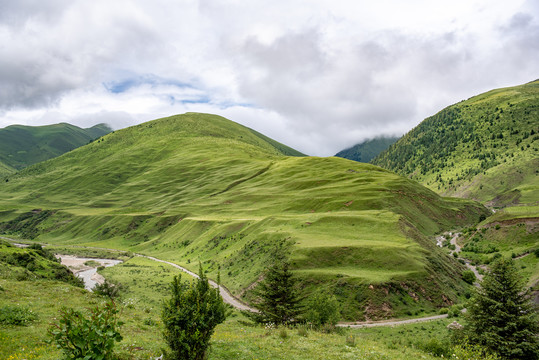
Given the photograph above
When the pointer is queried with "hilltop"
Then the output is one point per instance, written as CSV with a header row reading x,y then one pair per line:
x,y
367,150
21,146
198,187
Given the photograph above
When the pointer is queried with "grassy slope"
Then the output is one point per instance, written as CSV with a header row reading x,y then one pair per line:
x,y
5,169
198,187
367,150
140,309
21,146
31,264
485,148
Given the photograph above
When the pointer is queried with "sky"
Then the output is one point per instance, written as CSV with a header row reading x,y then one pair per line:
x,y
317,75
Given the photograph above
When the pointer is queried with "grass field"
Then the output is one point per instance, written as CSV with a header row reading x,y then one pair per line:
x,y
146,286
198,187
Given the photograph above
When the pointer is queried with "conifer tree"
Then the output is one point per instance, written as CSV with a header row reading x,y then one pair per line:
x,y
279,297
190,317
502,317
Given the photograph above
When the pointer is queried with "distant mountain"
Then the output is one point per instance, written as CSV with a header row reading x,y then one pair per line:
x,y
98,130
485,148
367,150
21,146
200,188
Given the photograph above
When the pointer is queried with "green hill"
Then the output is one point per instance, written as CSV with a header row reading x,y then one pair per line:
x,y
484,148
5,170
32,263
198,187
21,146
367,150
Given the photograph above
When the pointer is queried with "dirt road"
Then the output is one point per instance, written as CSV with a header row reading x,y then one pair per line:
x,y
225,294
368,324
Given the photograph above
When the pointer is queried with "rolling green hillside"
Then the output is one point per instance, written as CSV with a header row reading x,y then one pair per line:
x,y
5,170
484,148
21,146
367,150
198,187
31,264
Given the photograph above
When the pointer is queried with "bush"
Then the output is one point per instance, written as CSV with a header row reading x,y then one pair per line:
x,y
190,316
468,276
464,350
109,289
16,315
454,311
47,254
435,347
322,309
443,311
82,338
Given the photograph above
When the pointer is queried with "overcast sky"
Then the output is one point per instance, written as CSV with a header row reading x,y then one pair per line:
x,y
317,75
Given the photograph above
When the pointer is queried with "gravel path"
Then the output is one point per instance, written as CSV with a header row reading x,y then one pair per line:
x,y
368,324
225,294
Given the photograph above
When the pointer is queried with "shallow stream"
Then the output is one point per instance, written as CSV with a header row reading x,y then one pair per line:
x,y
87,273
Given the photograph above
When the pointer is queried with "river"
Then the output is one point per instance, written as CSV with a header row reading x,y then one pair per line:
x,y
87,273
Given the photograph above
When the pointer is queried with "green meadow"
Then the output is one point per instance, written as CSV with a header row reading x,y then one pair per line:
x,y
146,285
199,188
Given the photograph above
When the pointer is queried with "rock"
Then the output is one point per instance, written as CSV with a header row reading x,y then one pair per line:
x,y
454,326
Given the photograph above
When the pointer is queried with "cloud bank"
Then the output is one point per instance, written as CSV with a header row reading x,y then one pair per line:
x,y
316,75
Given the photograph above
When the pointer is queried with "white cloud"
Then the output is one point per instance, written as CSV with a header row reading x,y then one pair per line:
x,y
316,75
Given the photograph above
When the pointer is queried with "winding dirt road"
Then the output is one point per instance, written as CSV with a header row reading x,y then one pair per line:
x,y
368,324
225,294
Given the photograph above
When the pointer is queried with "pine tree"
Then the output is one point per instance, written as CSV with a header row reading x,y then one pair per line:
x,y
190,317
279,297
502,317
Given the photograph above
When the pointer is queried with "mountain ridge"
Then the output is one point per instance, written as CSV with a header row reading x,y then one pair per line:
x,y
21,145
